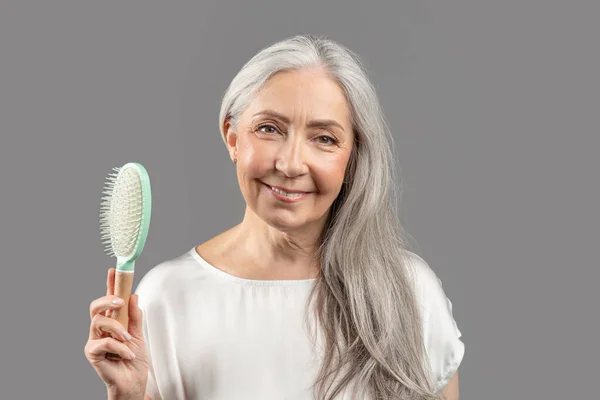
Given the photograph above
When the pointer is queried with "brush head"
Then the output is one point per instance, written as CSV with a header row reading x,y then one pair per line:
x,y
125,212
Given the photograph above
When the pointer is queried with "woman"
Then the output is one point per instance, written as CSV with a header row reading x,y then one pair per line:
x,y
313,294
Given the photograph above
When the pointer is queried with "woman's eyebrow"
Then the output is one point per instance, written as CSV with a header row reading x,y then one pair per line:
x,y
315,123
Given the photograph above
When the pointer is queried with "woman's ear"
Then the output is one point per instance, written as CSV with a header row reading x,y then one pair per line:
x,y
230,138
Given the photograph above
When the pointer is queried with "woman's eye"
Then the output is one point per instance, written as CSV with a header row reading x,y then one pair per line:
x,y
260,127
331,140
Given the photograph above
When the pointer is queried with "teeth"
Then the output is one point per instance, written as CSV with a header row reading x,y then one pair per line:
x,y
285,193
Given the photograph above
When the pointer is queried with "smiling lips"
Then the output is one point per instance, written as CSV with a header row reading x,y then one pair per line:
x,y
289,198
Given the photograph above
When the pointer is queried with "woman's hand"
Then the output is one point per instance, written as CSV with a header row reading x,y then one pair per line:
x,y
127,377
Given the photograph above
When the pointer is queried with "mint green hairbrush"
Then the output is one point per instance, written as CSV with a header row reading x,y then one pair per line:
x,y
124,222
125,214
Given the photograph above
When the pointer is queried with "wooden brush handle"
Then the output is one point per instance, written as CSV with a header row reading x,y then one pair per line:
x,y
123,284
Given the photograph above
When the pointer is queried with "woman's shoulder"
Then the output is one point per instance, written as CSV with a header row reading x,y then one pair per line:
x,y
164,278
420,271
428,286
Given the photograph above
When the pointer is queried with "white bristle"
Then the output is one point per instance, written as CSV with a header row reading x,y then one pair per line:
x,y
121,211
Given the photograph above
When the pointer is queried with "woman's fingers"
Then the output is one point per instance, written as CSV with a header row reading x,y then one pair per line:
x,y
97,349
102,304
102,324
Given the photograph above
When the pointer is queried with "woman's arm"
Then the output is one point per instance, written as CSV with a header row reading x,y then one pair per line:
x,y
450,392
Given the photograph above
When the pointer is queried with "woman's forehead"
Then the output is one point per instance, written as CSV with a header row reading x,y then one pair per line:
x,y
302,83
314,96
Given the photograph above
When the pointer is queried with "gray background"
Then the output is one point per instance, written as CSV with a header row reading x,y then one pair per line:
x,y
493,105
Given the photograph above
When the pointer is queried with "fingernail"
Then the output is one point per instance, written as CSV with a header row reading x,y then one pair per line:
x,y
118,301
127,335
132,355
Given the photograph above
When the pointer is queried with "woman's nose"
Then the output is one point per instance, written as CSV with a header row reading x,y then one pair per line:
x,y
291,159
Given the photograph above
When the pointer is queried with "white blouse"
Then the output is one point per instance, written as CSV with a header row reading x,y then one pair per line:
x,y
210,335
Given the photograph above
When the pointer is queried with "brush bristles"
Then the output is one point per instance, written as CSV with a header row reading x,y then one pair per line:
x,y
121,211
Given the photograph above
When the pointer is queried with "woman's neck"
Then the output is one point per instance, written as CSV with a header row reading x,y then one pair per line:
x,y
255,250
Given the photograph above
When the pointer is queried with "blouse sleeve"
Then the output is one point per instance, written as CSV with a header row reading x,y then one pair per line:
x,y
143,290
445,350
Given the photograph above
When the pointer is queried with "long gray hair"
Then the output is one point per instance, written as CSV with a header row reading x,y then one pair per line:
x,y
365,300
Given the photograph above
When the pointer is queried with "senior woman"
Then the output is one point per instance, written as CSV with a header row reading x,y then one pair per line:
x,y
314,294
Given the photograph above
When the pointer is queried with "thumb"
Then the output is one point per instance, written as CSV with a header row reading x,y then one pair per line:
x,y
135,317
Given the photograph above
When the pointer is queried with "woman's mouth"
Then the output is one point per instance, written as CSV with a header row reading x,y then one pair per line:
x,y
287,197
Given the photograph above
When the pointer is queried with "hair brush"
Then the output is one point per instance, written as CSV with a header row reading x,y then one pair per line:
x,y
124,222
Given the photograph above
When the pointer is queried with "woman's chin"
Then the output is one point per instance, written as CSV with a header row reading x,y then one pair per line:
x,y
284,224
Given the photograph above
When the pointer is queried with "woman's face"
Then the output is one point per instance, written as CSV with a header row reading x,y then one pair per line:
x,y
295,134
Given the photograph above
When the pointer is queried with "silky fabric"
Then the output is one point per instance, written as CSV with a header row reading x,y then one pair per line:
x,y
213,336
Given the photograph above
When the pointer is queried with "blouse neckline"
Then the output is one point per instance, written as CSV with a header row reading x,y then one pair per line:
x,y
253,282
